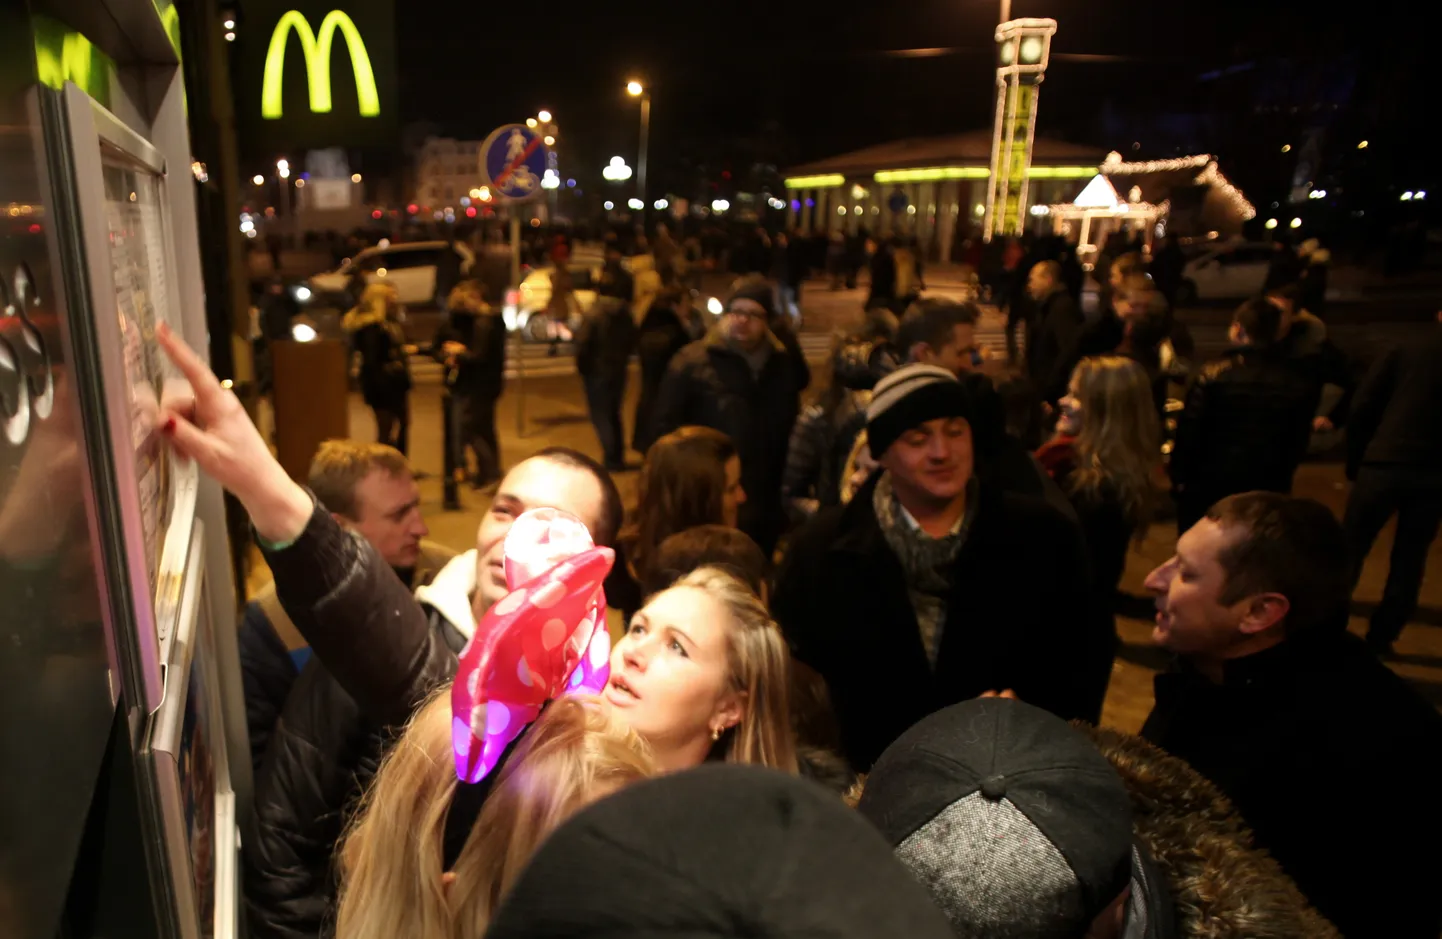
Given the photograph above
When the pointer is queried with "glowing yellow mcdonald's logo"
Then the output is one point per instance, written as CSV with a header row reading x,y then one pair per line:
x,y
317,64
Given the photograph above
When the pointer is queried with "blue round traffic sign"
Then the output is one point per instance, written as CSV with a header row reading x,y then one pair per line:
x,y
513,160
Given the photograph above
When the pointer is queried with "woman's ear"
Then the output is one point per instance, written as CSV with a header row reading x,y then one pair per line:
x,y
448,878
730,711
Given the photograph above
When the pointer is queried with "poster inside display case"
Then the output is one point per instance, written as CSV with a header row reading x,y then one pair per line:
x,y
120,180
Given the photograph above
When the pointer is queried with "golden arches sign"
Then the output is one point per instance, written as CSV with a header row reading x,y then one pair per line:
x,y
317,49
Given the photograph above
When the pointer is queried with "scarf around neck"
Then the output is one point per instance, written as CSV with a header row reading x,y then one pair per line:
x,y
926,561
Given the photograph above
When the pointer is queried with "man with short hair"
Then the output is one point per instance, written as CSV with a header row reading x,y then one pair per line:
x,y
1053,341
1246,420
370,490
378,654
930,587
1330,757
940,332
745,380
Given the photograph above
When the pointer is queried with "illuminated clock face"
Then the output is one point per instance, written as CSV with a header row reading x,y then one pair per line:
x,y
1031,50
1008,52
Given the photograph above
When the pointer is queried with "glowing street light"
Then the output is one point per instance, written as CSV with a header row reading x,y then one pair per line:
x,y
544,116
550,180
662,204
635,205
719,205
617,171
609,205
635,89
548,140
1271,224
230,37
282,167
1361,145
355,177
258,179
229,22
1296,223
531,122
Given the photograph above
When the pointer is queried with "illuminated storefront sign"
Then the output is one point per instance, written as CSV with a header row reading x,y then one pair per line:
x,y
317,50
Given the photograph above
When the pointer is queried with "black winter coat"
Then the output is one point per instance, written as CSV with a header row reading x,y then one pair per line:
x,y
1245,425
662,335
1396,418
1017,618
385,373
711,385
1334,762
481,369
1052,345
322,756
605,341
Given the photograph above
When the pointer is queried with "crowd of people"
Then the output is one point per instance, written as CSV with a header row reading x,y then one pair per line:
x,y
911,694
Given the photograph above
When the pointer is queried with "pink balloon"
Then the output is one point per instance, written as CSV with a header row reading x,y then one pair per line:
x,y
551,629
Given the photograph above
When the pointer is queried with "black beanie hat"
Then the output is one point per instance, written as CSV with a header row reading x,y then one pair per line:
x,y
756,289
1014,821
909,397
721,850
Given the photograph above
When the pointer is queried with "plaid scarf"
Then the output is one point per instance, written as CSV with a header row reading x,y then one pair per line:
x,y
926,561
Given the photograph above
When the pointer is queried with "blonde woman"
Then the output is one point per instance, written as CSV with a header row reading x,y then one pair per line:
x,y
702,673
374,326
395,879
1106,456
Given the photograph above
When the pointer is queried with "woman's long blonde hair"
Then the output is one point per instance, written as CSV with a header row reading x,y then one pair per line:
x,y
1119,445
760,668
391,860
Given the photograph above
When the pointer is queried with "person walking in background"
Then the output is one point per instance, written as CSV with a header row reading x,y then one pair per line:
x,y
883,275
1394,459
662,334
385,373
1106,456
1246,421
690,477
472,345
1166,268
1054,335
604,344
745,382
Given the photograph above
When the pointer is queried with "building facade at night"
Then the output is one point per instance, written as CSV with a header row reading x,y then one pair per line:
x,y
933,188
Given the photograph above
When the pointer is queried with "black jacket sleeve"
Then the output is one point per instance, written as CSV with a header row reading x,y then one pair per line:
x,y
360,620
673,401
267,674
1368,406
1190,422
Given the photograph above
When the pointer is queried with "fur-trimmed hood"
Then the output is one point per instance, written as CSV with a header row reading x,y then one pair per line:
x,y
1222,886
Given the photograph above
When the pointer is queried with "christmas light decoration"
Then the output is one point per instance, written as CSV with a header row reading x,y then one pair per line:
x,y
1208,175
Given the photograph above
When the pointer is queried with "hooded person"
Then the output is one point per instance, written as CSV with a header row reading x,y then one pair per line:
x,y
744,379
717,851
1017,826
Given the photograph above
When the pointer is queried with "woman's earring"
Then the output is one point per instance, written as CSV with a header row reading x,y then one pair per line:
x,y
715,734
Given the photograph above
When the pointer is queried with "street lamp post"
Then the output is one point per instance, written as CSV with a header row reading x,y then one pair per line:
x,y
636,90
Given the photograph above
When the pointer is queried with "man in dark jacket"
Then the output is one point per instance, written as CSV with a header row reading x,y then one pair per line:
x,y
746,382
604,344
1054,338
929,587
662,334
472,345
368,488
378,654
1330,757
1246,422
1394,457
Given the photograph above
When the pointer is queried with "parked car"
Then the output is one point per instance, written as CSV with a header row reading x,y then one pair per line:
x,y
409,266
525,309
1226,272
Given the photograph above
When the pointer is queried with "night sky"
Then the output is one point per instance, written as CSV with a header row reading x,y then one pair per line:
x,y
811,77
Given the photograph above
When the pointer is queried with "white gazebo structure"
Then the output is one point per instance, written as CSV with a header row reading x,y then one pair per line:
x,y
1100,211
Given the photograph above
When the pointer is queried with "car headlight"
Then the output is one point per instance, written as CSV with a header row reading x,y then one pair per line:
x,y
303,293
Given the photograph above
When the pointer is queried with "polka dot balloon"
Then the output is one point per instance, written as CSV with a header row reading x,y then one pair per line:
x,y
544,638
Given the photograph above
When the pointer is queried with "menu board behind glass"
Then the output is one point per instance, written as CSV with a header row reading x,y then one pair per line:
x,y
133,215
